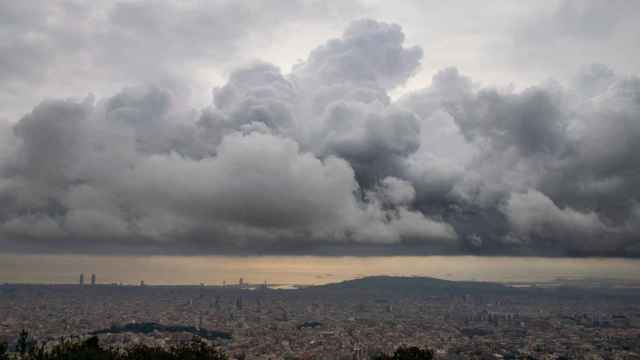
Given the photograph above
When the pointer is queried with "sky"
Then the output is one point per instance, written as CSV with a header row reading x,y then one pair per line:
x,y
299,127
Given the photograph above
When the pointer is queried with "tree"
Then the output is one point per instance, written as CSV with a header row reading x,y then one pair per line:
x,y
4,348
406,353
412,353
23,345
90,349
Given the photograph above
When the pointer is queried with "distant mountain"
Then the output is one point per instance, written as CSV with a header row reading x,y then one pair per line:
x,y
412,286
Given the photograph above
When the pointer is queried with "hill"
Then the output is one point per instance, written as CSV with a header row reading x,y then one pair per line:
x,y
384,285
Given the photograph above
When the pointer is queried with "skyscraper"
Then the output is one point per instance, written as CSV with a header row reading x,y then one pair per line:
x,y
93,279
81,279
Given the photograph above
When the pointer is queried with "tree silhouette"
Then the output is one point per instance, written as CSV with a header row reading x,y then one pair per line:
x,y
406,353
23,344
90,349
4,348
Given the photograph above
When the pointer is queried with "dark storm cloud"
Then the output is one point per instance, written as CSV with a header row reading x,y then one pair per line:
x,y
550,168
323,158
265,167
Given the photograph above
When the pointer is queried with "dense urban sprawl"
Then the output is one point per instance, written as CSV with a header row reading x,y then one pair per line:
x,y
353,320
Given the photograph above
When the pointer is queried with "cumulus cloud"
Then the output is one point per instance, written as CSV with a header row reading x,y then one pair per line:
x,y
272,165
323,157
369,52
572,143
534,217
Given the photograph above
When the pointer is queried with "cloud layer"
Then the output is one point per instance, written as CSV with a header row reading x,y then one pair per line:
x,y
322,160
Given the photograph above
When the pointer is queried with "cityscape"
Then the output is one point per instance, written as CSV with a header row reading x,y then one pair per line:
x,y
349,320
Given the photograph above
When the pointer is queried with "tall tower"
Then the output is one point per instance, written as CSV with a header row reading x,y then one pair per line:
x,y
81,279
93,279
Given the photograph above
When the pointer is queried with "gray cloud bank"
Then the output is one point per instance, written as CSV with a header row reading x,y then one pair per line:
x,y
322,160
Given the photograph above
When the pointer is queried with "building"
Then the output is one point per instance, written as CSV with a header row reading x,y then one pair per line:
x,y
93,279
81,279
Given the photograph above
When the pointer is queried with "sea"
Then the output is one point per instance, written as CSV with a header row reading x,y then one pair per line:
x,y
304,270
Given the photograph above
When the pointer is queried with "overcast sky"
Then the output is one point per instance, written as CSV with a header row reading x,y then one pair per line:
x,y
320,127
